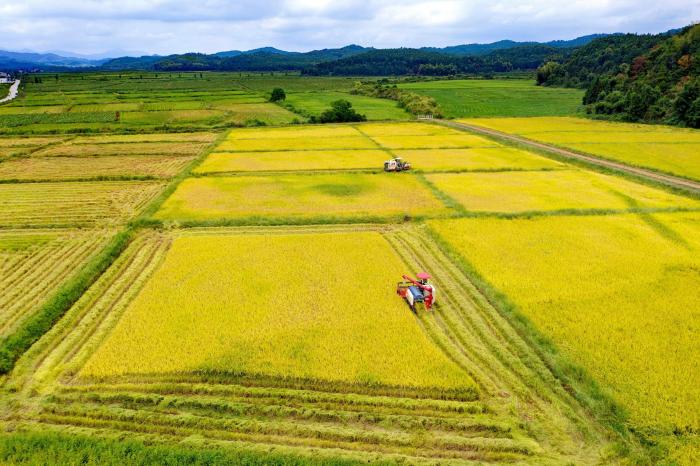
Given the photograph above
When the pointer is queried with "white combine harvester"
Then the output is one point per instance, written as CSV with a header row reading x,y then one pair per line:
x,y
397,164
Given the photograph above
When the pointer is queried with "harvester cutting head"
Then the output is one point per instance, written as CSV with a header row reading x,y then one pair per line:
x,y
417,291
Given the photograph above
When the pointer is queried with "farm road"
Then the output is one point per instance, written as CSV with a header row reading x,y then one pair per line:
x,y
12,94
670,180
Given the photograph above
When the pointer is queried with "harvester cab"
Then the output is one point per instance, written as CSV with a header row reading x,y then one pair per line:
x,y
417,291
397,164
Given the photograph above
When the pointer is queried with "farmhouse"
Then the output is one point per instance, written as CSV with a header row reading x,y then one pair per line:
x,y
5,78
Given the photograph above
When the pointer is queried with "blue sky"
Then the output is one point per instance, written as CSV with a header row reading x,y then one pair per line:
x,y
176,26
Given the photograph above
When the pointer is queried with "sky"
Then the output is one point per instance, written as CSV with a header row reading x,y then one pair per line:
x,y
178,26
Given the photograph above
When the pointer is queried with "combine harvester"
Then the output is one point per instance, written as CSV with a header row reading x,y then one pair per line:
x,y
397,164
417,291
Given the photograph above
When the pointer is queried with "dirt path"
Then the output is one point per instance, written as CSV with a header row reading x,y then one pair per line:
x,y
641,172
13,92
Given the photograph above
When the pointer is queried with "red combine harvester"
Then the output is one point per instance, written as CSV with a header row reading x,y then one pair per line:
x,y
417,291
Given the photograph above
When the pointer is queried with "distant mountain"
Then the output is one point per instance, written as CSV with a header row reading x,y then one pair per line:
x,y
15,60
395,62
483,49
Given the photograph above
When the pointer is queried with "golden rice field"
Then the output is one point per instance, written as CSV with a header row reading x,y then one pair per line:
x,y
297,143
663,148
311,131
221,162
513,192
277,305
406,129
34,263
447,141
477,159
328,196
617,294
74,203
68,168
135,138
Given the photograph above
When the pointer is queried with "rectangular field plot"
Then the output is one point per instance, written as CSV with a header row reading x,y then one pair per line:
x,y
281,305
663,148
479,159
34,264
406,129
158,137
220,162
288,197
512,192
69,168
297,142
618,294
306,132
136,148
74,203
373,108
447,141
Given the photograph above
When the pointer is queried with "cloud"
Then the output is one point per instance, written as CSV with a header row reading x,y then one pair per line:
x,y
175,26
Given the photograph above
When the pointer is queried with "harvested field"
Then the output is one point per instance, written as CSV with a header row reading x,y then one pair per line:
x,y
73,204
68,168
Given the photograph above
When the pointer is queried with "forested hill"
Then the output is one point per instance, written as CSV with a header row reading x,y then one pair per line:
x,y
660,85
421,62
603,55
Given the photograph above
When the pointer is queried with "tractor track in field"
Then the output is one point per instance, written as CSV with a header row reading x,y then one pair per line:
x,y
669,180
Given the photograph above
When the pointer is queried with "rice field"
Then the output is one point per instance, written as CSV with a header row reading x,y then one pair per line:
x,y
315,103
551,191
237,318
618,294
121,148
80,168
259,199
222,162
34,264
94,204
666,149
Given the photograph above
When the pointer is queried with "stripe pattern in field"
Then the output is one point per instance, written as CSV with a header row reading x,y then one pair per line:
x,y
29,205
523,414
34,263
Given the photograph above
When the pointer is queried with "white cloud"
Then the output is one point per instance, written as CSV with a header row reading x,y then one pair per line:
x,y
173,26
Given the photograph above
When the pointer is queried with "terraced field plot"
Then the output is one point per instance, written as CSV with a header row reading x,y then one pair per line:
x,y
288,197
666,149
34,264
618,294
74,204
512,192
416,403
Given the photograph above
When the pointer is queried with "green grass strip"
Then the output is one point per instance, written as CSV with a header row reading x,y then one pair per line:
x,y
15,345
20,448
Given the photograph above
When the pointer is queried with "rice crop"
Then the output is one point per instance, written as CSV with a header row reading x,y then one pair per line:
x,y
618,294
140,138
67,168
318,131
326,196
164,148
496,158
249,309
663,148
447,141
297,143
73,203
218,162
34,263
406,129
512,192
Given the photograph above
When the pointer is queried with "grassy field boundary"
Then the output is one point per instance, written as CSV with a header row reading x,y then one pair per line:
x,y
15,345
578,382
